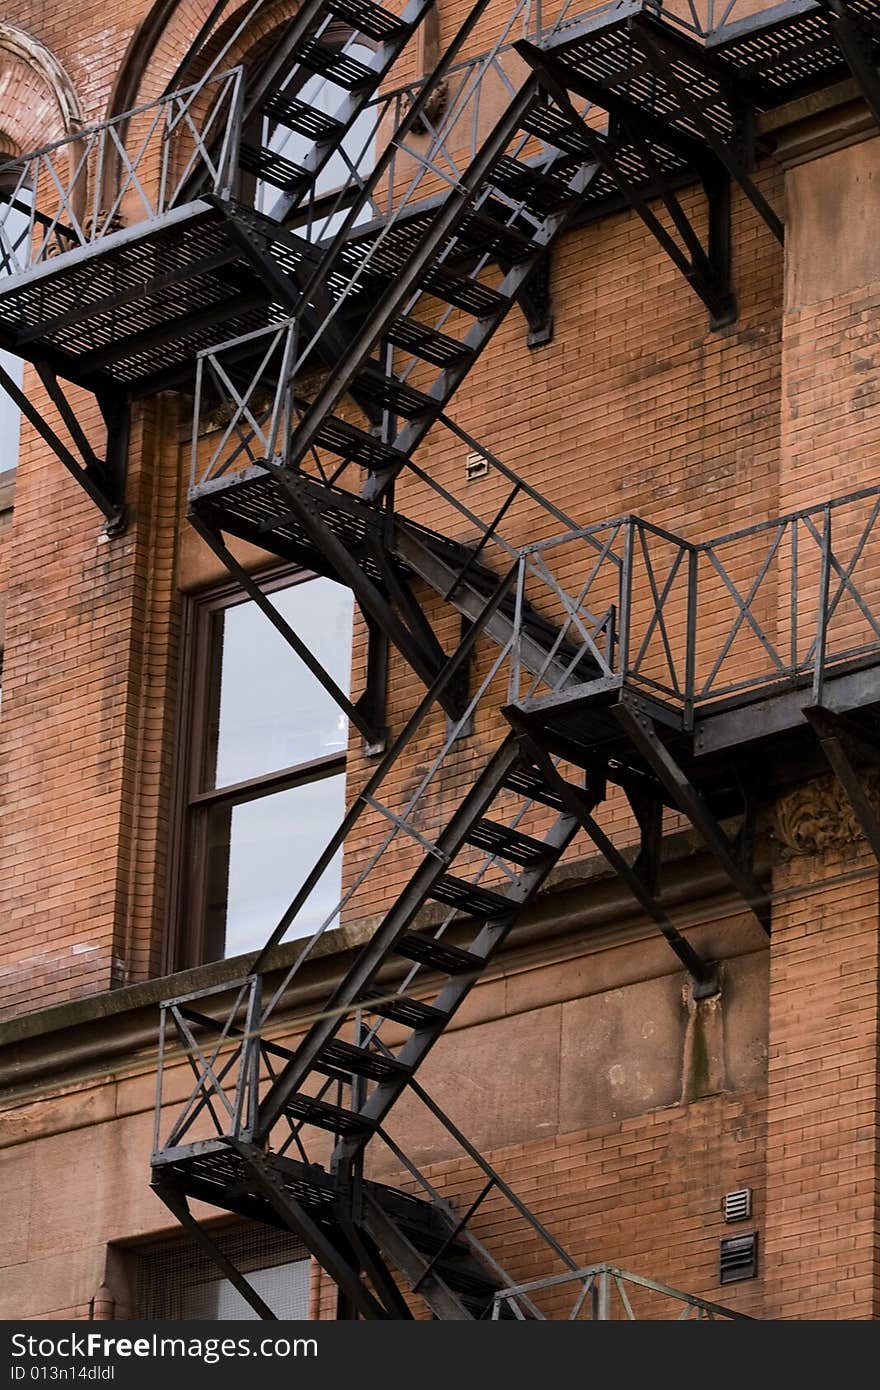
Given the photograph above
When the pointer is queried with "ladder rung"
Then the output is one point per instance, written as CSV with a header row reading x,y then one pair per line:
x,y
368,18
469,897
463,293
350,442
427,343
507,843
527,781
342,69
438,955
325,1116
340,1058
272,168
300,116
411,1013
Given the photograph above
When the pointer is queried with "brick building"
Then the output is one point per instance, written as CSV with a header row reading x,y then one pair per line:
x,y
457,424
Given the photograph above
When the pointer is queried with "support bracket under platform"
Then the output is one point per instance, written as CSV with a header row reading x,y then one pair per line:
x,y
631,134
581,805
844,743
102,479
642,733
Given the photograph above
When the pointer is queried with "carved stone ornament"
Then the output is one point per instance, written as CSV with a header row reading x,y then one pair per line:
x,y
818,816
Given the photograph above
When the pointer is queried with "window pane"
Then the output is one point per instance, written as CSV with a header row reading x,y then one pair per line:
x,y
285,1288
260,853
269,710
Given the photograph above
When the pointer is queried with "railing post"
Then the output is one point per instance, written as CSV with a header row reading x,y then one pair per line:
x,y
625,596
516,649
197,415
690,660
604,1296
160,1069
252,1052
822,615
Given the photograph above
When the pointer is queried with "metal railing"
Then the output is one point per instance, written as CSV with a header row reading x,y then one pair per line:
x,y
607,1293
149,157
788,601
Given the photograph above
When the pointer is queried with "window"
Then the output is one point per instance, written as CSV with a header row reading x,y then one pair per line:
x,y
267,775
175,1281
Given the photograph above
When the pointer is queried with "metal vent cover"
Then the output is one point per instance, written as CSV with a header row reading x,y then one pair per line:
x,y
738,1258
737,1206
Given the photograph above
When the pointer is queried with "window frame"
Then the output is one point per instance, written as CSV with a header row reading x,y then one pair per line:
x,y
186,933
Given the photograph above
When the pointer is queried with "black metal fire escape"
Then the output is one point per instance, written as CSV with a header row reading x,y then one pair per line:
x,y
348,323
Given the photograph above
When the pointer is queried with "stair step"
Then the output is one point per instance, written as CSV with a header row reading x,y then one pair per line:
x,y
339,67
527,781
411,1013
272,168
300,116
535,190
469,897
483,233
341,1059
507,843
464,293
550,125
438,955
427,343
356,444
368,18
392,394
325,1116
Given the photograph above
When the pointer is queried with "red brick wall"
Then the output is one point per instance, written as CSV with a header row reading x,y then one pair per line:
x,y
822,1142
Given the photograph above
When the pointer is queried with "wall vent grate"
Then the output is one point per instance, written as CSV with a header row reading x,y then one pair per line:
x,y
737,1206
738,1258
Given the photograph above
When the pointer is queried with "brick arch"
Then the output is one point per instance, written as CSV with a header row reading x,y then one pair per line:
x,y
160,41
38,102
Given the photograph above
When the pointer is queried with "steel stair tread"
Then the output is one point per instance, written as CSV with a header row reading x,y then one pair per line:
x,y
349,441
438,954
411,1013
272,168
527,781
469,897
463,293
368,18
339,67
507,843
324,1115
537,191
300,116
427,343
340,1058
391,393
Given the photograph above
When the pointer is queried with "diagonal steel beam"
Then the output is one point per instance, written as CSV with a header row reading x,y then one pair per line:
x,y
855,45
581,805
839,748
177,1204
325,1250
368,595
662,50
642,733
257,595
112,509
